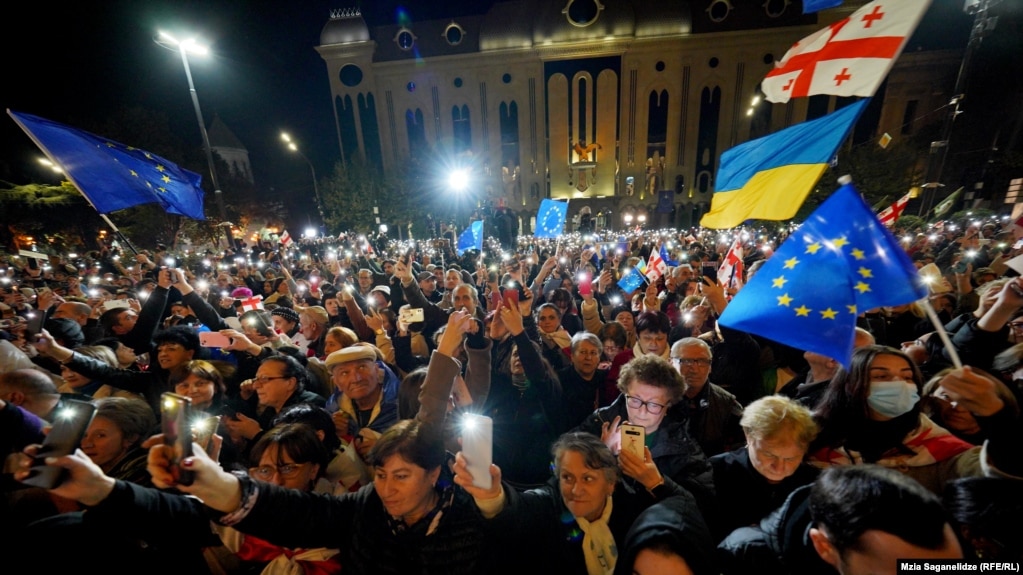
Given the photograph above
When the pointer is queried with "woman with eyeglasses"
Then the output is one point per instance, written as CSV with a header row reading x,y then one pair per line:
x,y
650,387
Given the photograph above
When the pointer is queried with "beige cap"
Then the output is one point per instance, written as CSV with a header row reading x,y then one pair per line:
x,y
350,353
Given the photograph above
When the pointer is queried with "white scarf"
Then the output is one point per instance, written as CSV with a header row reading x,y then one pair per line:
x,y
599,547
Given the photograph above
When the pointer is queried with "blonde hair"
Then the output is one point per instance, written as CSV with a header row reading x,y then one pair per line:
x,y
100,352
775,414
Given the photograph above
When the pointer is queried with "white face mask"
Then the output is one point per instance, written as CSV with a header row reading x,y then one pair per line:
x,y
892,398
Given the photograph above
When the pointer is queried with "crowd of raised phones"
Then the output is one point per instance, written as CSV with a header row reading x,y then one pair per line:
x,y
334,384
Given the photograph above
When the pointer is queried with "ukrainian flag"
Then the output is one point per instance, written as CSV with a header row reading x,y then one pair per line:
x,y
768,178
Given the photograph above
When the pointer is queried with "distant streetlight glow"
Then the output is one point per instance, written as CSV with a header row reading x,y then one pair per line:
x,y
51,165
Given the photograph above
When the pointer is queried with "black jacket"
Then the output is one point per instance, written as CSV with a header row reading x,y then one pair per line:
x,y
675,452
744,495
675,523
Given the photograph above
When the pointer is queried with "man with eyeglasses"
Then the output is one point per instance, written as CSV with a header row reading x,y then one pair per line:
x,y
714,413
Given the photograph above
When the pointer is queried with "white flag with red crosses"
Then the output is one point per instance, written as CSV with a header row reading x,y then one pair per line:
x,y
286,240
251,304
849,58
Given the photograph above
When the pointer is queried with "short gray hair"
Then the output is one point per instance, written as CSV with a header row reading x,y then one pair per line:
x,y
585,336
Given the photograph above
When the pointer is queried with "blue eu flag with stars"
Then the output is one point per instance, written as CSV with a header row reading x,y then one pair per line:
x,y
632,280
841,262
471,238
550,219
114,176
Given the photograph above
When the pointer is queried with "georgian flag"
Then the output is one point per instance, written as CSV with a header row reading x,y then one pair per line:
x,y
656,267
730,272
251,304
891,214
849,58
286,240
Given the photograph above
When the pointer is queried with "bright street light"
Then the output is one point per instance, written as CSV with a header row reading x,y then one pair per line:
x,y
316,189
458,180
166,40
46,162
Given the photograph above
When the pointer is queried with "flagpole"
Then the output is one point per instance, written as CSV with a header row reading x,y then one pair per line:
x,y
950,349
557,245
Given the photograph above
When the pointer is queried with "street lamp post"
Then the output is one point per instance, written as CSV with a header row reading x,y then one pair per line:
x,y
169,42
316,188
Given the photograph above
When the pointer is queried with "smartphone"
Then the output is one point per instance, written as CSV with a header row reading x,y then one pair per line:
x,y
68,429
213,339
585,284
960,267
710,269
478,448
203,429
411,315
115,304
633,439
511,296
176,421
35,325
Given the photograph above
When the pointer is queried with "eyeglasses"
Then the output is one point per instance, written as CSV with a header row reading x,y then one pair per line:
x,y
266,472
690,362
651,407
263,379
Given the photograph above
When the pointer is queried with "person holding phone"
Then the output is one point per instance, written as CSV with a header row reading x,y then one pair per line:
x,y
650,387
575,521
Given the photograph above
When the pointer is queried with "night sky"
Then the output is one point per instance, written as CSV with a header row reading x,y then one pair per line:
x,y
78,63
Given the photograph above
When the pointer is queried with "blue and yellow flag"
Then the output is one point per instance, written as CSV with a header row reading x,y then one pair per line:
x,y
471,238
839,263
114,176
768,178
550,219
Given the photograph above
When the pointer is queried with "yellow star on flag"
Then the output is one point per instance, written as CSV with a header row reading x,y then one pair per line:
x,y
779,282
813,248
858,254
828,314
784,300
166,179
865,272
160,168
852,309
803,311
839,242
791,263
862,287
134,173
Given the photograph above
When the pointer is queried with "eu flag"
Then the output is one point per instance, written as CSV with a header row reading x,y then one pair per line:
x,y
667,257
632,280
114,176
471,238
550,219
839,263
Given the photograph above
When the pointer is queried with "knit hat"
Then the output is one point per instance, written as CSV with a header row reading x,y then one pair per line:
x,y
242,292
287,313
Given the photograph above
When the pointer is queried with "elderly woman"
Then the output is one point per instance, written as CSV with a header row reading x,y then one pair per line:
x,y
650,387
871,413
114,438
755,479
574,523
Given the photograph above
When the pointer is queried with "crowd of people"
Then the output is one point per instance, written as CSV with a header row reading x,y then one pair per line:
x,y
332,383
